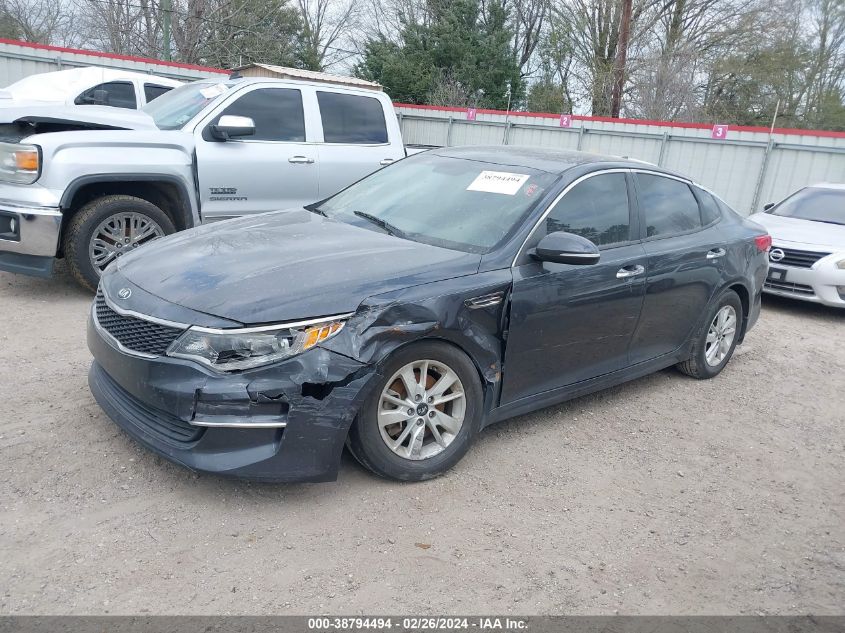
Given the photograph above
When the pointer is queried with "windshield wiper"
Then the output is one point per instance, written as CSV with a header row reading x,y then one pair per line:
x,y
382,224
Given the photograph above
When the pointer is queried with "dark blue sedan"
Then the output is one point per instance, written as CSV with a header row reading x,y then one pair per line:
x,y
400,317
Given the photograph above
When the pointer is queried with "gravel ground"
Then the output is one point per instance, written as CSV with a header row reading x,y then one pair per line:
x,y
665,495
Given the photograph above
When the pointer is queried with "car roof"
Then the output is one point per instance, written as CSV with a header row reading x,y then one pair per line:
x,y
551,160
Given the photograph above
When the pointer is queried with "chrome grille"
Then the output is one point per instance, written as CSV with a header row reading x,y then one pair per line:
x,y
787,286
795,258
136,335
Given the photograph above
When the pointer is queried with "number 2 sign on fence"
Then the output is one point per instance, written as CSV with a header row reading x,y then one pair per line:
x,y
565,120
719,132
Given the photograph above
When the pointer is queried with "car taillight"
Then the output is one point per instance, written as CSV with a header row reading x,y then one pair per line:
x,y
763,242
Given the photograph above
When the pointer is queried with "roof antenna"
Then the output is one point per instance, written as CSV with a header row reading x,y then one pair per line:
x,y
235,74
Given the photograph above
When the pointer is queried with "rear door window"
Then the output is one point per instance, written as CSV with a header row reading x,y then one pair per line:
x,y
709,209
153,91
277,113
118,94
351,118
668,205
596,209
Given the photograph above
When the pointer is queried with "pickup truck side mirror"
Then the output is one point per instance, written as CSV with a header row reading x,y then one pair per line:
x,y
230,126
561,247
768,206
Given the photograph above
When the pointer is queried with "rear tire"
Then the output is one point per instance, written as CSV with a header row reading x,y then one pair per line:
x,y
716,341
89,221
408,450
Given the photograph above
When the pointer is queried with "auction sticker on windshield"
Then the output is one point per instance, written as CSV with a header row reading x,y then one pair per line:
x,y
498,182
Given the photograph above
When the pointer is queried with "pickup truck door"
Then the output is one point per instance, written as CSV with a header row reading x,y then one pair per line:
x,y
276,168
360,136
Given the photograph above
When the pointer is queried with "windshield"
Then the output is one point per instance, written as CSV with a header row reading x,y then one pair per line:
x,y
174,109
814,203
455,203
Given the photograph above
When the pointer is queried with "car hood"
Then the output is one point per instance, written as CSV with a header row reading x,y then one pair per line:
x,y
84,116
822,234
284,266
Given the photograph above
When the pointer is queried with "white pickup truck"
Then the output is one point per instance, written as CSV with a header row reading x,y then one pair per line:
x,y
89,184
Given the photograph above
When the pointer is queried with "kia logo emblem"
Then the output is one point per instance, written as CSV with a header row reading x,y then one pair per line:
x,y
776,255
124,293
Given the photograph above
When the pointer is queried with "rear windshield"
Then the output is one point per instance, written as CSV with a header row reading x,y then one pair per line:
x,y
817,204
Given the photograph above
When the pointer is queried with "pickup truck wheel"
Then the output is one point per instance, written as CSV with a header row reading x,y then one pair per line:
x,y
106,228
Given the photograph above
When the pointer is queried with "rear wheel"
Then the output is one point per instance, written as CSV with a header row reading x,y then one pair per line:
x,y
107,228
423,415
717,339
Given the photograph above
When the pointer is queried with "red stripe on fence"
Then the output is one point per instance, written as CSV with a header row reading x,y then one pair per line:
x,y
604,119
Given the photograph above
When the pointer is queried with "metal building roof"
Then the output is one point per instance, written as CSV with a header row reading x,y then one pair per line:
x,y
283,72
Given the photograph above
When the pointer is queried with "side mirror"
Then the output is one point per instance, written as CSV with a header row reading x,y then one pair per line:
x,y
768,206
230,126
561,247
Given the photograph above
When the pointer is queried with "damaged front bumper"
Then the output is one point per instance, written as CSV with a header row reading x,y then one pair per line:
x,y
283,422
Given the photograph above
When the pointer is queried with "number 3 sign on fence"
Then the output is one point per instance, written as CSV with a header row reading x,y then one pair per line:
x,y
719,132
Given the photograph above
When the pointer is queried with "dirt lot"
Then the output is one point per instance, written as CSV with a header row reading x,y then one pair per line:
x,y
666,495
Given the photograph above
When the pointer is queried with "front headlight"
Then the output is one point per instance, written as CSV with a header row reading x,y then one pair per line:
x,y
232,350
20,163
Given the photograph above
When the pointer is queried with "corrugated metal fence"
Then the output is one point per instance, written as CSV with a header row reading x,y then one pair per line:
x,y
21,59
747,167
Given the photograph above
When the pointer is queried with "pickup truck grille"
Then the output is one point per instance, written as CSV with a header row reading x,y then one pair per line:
x,y
136,335
795,258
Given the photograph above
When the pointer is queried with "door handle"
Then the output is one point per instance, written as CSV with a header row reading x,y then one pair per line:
x,y
716,253
630,271
385,161
304,160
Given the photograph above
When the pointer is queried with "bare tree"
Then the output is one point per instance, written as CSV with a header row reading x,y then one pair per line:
x,y
128,27
528,21
326,24
684,40
42,21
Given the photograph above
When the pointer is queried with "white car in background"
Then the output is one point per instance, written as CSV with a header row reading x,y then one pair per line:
x,y
88,86
807,258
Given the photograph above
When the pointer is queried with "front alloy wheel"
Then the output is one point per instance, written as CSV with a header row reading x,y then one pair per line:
x,y
421,417
422,409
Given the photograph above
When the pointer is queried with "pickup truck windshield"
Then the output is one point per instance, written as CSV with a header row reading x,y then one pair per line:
x,y
450,202
173,110
814,203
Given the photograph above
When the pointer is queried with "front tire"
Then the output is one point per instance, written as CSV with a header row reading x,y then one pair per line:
x,y
421,418
715,343
107,227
